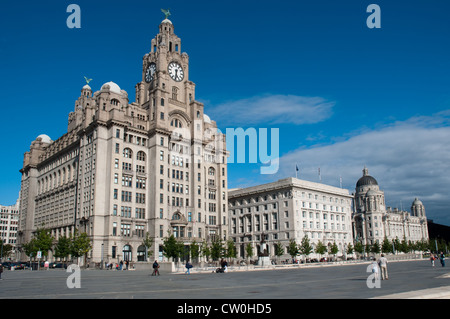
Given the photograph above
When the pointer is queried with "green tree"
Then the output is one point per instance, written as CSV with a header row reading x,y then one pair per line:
x,y
279,250
172,248
147,242
404,245
62,248
44,240
305,247
375,248
5,249
350,249
359,247
334,249
80,244
30,248
320,248
231,251
293,248
205,250
249,250
216,249
194,249
386,246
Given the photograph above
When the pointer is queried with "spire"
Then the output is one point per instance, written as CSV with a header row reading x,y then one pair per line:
x,y
365,171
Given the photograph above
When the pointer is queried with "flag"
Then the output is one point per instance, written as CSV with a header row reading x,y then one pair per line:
x,y
296,167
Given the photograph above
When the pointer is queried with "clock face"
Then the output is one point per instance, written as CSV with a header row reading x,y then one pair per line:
x,y
150,73
176,71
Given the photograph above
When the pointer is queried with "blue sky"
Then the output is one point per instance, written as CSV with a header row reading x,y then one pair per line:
x,y
349,95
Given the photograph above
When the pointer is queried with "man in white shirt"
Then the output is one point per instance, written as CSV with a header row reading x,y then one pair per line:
x,y
383,266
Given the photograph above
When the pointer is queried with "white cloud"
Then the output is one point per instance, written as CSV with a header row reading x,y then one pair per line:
x,y
409,159
274,109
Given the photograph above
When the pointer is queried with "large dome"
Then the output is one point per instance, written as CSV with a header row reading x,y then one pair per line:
x,y
45,138
366,179
111,86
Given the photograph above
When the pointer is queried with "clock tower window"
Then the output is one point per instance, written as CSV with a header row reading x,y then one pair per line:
x,y
174,93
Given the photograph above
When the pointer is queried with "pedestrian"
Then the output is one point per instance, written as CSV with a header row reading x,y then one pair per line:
x,y
188,267
383,267
1,271
121,265
375,270
432,260
442,258
155,268
224,265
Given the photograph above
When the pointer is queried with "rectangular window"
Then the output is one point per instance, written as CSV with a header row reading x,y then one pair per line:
x,y
126,196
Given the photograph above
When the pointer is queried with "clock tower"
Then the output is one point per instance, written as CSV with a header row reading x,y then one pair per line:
x,y
189,154
165,76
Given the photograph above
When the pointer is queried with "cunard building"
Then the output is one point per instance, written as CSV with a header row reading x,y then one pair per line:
x,y
123,169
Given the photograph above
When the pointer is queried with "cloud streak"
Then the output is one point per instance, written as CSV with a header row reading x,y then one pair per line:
x,y
273,109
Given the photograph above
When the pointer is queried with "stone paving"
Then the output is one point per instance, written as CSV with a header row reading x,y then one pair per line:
x,y
412,279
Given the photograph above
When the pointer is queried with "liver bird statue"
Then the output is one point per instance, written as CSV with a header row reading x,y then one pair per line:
x,y
166,12
87,80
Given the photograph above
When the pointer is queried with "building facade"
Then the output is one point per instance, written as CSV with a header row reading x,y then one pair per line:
x,y
9,226
290,209
157,165
373,221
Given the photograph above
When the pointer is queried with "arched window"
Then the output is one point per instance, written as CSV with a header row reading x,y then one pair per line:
x,y
127,153
115,102
141,156
176,123
141,253
211,171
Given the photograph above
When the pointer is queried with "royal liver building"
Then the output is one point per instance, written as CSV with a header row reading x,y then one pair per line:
x,y
156,165
373,221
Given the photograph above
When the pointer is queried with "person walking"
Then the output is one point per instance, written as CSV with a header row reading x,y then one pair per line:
x,y
1,270
188,267
383,267
442,258
155,268
375,270
432,260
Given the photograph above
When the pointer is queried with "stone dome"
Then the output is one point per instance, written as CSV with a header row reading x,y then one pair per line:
x,y
112,87
417,202
366,179
45,138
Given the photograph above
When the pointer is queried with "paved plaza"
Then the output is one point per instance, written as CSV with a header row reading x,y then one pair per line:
x,y
407,279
